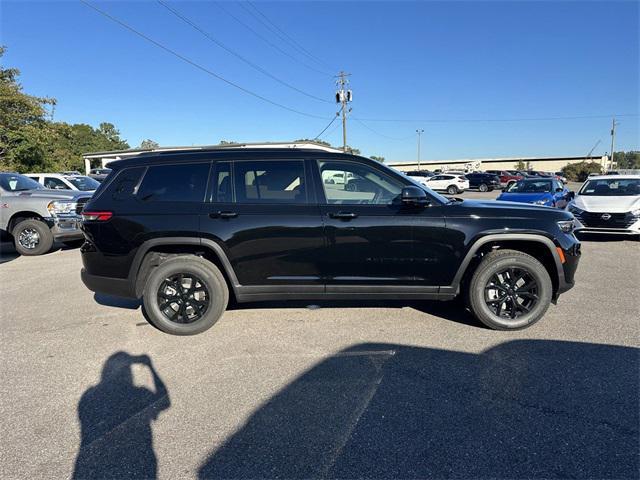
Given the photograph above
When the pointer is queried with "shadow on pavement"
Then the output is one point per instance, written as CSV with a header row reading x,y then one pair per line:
x,y
115,421
541,409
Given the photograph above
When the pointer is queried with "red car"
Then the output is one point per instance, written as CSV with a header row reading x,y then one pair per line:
x,y
506,178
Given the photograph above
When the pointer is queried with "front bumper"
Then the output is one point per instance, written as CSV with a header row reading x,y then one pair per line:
x,y
65,228
617,224
569,267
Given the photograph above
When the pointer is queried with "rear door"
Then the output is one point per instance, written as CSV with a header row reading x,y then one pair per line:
x,y
263,213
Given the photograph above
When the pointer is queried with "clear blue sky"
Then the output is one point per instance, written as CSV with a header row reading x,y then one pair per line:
x,y
409,60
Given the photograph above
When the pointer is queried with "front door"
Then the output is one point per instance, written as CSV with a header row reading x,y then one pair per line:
x,y
264,215
369,232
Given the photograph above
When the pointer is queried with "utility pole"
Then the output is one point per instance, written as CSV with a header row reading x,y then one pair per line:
x,y
614,124
419,132
343,97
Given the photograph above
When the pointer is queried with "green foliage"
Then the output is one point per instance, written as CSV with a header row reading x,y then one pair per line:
x,y
377,159
520,166
30,141
578,172
627,160
149,144
316,140
353,151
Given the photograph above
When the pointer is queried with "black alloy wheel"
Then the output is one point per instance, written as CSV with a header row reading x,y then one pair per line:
x,y
183,298
511,293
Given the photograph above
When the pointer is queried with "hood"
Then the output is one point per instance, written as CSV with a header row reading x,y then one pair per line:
x,y
525,197
54,194
607,204
510,205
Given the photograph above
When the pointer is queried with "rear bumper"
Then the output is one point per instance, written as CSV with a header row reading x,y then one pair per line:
x,y
119,287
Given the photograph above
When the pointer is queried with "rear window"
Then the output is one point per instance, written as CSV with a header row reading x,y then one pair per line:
x,y
270,182
174,183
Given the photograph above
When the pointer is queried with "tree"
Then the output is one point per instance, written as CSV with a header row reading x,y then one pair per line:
x,y
315,140
578,172
149,144
520,166
30,141
353,151
377,159
627,160
228,142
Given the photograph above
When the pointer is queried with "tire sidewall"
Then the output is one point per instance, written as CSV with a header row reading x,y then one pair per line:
x,y
483,188
485,272
207,273
46,237
452,190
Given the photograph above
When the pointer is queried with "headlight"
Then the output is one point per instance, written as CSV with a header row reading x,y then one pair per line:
x,y
540,202
566,226
636,212
62,207
574,209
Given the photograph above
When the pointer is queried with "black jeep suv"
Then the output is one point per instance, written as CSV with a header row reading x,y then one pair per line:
x,y
186,230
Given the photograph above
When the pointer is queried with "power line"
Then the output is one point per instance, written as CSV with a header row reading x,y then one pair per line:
x,y
325,128
381,134
232,52
268,42
479,120
291,41
194,64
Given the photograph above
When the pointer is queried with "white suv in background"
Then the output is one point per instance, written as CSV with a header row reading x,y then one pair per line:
x,y
608,204
450,183
60,181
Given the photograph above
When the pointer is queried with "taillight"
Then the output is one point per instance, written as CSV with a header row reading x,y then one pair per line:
x,y
96,216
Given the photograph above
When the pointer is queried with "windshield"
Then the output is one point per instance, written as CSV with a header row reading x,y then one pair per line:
x,y
611,187
83,183
14,182
530,186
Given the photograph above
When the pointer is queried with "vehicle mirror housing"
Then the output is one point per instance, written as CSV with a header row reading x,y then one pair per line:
x,y
559,189
412,195
571,195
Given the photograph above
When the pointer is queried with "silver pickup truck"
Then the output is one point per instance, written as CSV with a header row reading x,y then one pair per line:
x,y
35,217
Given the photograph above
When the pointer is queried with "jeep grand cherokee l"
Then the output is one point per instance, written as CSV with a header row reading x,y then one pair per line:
x,y
185,231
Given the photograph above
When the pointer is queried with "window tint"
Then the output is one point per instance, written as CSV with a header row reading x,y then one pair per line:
x,y
221,183
270,182
55,183
348,183
123,186
174,183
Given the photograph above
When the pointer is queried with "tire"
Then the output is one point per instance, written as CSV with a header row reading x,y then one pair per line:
x,y
74,243
32,237
527,269
452,190
207,275
483,187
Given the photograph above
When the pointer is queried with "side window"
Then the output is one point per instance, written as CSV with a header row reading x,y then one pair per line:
x,y
124,185
279,181
221,183
350,183
55,183
174,183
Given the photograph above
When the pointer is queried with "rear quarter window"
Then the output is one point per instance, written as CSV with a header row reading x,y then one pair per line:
x,y
123,186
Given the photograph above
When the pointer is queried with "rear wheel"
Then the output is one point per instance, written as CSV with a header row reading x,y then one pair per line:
x,y
452,190
509,290
483,187
32,237
185,295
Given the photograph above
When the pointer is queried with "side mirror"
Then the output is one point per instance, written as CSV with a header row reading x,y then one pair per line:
x,y
414,196
571,195
559,189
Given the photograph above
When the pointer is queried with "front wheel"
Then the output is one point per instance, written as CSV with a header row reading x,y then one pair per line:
x,y
483,187
452,190
185,295
509,290
32,237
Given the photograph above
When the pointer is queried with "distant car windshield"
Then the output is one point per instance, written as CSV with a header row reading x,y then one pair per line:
x,y
14,182
83,183
611,187
530,186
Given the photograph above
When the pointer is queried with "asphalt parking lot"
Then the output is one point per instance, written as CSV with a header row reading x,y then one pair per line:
x,y
287,390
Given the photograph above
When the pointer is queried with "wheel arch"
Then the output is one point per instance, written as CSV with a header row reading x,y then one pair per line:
x,y
19,216
539,246
154,252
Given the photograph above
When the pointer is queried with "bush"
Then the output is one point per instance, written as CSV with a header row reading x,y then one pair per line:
x,y
578,172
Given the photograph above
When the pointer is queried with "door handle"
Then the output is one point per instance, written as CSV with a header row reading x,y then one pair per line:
x,y
343,215
225,214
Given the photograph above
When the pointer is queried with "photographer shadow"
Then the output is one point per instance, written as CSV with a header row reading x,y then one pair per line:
x,y
115,418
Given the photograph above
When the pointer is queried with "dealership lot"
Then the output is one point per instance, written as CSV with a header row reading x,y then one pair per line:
x,y
340,390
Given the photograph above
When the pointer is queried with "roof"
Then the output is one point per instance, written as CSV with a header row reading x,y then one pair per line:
x,y
609,177
262,145
496,160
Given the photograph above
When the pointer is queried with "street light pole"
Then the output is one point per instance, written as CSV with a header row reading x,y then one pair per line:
x,y
419,132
